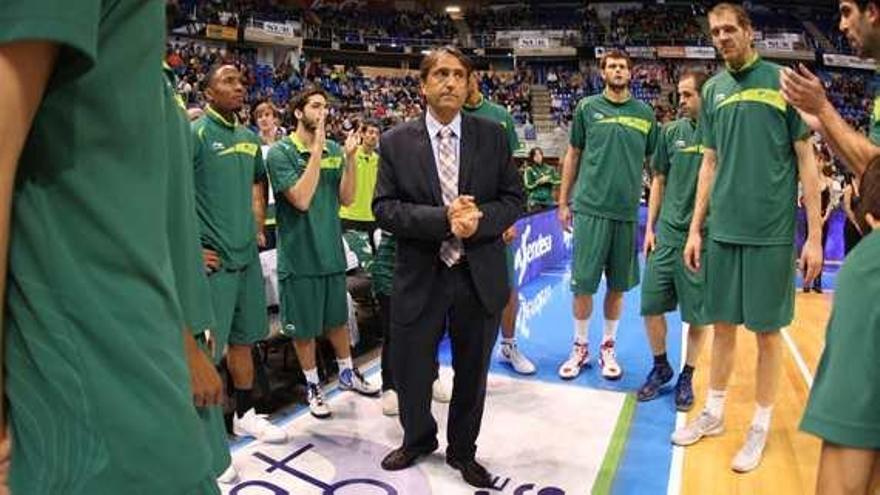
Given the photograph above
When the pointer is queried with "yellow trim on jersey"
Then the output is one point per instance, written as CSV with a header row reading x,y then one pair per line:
x,y
698,149
301,147
765,96
249,149
876,113
216,116
641,125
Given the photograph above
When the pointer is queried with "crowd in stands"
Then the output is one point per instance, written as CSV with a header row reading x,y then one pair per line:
x,y
389,100
849,91
567,87
351,23
359,22
510,91
484,23
658,24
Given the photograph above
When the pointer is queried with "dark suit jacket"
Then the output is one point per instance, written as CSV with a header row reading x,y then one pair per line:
x,y
408,202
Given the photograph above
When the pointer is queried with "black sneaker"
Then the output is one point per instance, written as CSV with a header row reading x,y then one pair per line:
x,y
659,376
684,392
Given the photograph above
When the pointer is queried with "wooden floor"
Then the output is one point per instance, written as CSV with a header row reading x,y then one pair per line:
x,y
791,458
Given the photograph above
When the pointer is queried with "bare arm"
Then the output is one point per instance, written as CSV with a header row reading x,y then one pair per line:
x,y
348,184
704,189
658,185
694,247
569,173
847,204
260,193
852,146
25,68
569,176
300,194
811,256
806,93
809,176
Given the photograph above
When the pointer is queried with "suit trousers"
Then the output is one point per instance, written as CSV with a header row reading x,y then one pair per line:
x,y
454,304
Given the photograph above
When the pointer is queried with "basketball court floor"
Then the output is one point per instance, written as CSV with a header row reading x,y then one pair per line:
x,y
545,436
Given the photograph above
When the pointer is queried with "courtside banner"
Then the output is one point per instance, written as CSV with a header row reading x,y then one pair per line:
x,y
289,34
218,32
540,244
848,61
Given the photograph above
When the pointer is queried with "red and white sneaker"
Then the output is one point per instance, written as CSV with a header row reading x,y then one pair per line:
x,y
608,361
577,360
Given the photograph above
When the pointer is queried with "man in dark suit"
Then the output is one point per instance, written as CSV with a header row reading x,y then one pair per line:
x,y
447,189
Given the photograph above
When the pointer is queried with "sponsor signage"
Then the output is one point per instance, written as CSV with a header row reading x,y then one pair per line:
x,y
540,244
848,61
218,32
288,34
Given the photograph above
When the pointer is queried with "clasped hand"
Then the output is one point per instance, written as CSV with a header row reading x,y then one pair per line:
x,y
464,217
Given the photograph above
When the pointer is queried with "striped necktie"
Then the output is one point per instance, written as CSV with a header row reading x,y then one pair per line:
x,y
447,169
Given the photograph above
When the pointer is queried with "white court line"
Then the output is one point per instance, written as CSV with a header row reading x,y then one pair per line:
x,y
676,467
798,359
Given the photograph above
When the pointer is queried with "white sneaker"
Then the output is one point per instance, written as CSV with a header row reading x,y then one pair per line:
x,y
352,379
577,360
317,406
229,477
705,425
608,361
257,426
441,391
389,403
751,453
510,354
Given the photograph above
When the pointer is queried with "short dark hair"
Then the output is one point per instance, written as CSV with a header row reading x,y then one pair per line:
x,y
863,4
302,98
869,193
742,17
616,54
215,69
371,123
700,77
431,59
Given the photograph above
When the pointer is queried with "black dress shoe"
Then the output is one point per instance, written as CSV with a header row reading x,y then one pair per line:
x,y
402,458
472,472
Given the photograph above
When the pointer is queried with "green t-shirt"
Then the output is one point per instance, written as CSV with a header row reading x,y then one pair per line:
x,y
752,130
539,181
361,209
309,242
227,163
874,131
496,113
615,139
847,369
97,382
189,271
382,269
678,157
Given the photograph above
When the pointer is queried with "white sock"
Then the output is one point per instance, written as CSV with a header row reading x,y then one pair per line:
x,y
344,364
762,417
715,402
511,341
610,332
312,376
581,327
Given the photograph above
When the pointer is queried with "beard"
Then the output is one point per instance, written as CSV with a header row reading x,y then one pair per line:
x,y
617,87
310,125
